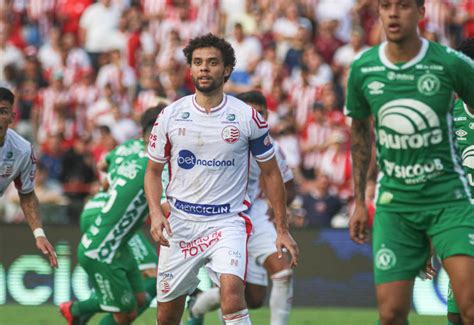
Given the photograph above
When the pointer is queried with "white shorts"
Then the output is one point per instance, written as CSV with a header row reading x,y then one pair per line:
x,y
262,243
220,246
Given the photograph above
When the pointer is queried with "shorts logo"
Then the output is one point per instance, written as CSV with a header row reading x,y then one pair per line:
x,y
230,134
428,84
385,259
126,299
165,286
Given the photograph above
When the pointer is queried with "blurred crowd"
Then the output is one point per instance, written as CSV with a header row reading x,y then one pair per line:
x,y
84,71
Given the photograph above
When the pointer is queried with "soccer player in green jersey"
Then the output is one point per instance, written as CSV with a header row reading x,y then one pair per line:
x,y
464,131
408,85
103,251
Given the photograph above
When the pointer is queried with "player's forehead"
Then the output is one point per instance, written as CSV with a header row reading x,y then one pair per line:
x,y
396,1
207,53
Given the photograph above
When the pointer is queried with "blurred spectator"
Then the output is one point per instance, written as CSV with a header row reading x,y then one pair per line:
x,y
326,41
68,13
50,52
346,54
319,203
9,54
103,143
52,156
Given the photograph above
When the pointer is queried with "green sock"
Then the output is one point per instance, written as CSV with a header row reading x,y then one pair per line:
x,y
88,306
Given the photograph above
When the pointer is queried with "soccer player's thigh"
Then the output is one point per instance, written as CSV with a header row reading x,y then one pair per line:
x,y
111,285
400,249
452,306
452,235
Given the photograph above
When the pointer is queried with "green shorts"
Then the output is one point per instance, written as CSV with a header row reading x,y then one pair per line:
x,y
452,306
143,251
401,240
115,284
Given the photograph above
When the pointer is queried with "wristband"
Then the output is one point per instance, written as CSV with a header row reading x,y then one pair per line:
x,y
39,232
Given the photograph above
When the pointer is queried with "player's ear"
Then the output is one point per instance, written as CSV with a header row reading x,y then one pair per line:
x,y
227,71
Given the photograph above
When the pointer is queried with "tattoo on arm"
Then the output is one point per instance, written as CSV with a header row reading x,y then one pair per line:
x,y
361,152
30,206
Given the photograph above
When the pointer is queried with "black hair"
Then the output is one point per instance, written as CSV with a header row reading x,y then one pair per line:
x,y
254,97
419,3
210,40
7,95
467,47
150,115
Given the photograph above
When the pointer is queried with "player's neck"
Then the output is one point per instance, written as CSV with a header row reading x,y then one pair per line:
x,y
403,51
209,100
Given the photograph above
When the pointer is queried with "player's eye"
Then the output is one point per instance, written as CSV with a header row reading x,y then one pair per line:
x,y
197,62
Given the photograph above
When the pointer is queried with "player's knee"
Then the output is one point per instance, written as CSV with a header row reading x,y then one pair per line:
x,y
254,302
141,299
455,319
167,319
122,318
466,309
284,276
392,315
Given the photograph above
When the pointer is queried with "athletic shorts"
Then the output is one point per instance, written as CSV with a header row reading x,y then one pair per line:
x,y
115,284
220,246
401,240
143,251
262,243
452,306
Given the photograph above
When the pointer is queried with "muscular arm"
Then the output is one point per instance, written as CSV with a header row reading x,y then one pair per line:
x,y
30,206
361,152
153,190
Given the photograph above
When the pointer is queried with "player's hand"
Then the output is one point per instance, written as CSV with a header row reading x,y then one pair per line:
x,y
47,249
429,272
158,224
358,224
285,241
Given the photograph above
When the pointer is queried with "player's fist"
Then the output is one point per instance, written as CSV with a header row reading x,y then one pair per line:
x,y
158,225
47,249
358,221
285,241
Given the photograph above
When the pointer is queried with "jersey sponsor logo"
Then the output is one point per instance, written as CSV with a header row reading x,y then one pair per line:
x,y
460,118
428,84
416,173
184,117
376,88
372,69
202,209
461,133
429,67
412,125
230,117
6,170
187,160
199,245
400,76
385,259
9,155
230,134
129,169
258,119
105,288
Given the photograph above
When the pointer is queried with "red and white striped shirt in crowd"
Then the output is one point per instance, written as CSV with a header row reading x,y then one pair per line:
x,y
207,12
336,164
437,15
37,9
153,8
52,116
116,76
145,100
302,98
84,96
317,135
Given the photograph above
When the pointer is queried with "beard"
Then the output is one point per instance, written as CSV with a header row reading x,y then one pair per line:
x,y
215,84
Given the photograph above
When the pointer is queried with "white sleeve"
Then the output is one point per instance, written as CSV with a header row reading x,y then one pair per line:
x,y
159,146
25,181
285,170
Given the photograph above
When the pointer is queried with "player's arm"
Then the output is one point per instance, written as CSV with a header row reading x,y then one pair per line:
x,y
358,108
30,206
461,69
153,190
277,197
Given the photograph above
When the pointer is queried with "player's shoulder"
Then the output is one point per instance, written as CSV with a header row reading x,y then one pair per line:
x,y
366,57
448,55
17,143
458,109
178,107
238,107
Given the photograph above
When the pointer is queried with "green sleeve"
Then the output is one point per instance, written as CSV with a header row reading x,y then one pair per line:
x,y
462,74
165,179
356,104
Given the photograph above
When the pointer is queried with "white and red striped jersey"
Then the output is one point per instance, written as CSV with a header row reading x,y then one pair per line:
x,y
116,76
152,8
84,96
315,135
17,163
37,9
51,114
437,14
302,98
209,155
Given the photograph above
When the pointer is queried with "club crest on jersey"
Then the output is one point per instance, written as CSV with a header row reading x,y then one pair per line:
x,y
428,84
385,259
230,134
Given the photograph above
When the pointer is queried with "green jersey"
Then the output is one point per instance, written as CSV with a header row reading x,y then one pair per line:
x,y
412,107
464,130
122,215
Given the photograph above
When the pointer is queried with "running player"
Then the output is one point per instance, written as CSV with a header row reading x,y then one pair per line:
x,y
408,84
263,256
103,251
18,165
206,137
464,131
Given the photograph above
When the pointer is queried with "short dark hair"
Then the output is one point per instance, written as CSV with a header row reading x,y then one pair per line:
x,y
467,47
210,40
150,115
419,3
254,97
7,95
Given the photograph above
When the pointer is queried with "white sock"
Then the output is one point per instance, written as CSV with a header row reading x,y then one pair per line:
x,y
207,301
241,317
281,297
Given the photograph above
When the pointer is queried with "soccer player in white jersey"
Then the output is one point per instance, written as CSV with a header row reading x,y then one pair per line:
x,y
263,255
18,165
207,138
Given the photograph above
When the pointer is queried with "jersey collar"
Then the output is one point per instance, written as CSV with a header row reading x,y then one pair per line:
x,y
386,62
466,109
214,109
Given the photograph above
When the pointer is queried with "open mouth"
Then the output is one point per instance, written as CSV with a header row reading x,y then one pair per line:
x,y
394,27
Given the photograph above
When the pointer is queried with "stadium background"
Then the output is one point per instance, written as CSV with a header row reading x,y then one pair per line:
x,y
84,71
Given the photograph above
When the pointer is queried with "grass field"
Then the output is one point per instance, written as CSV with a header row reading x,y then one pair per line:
x,y
49,315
